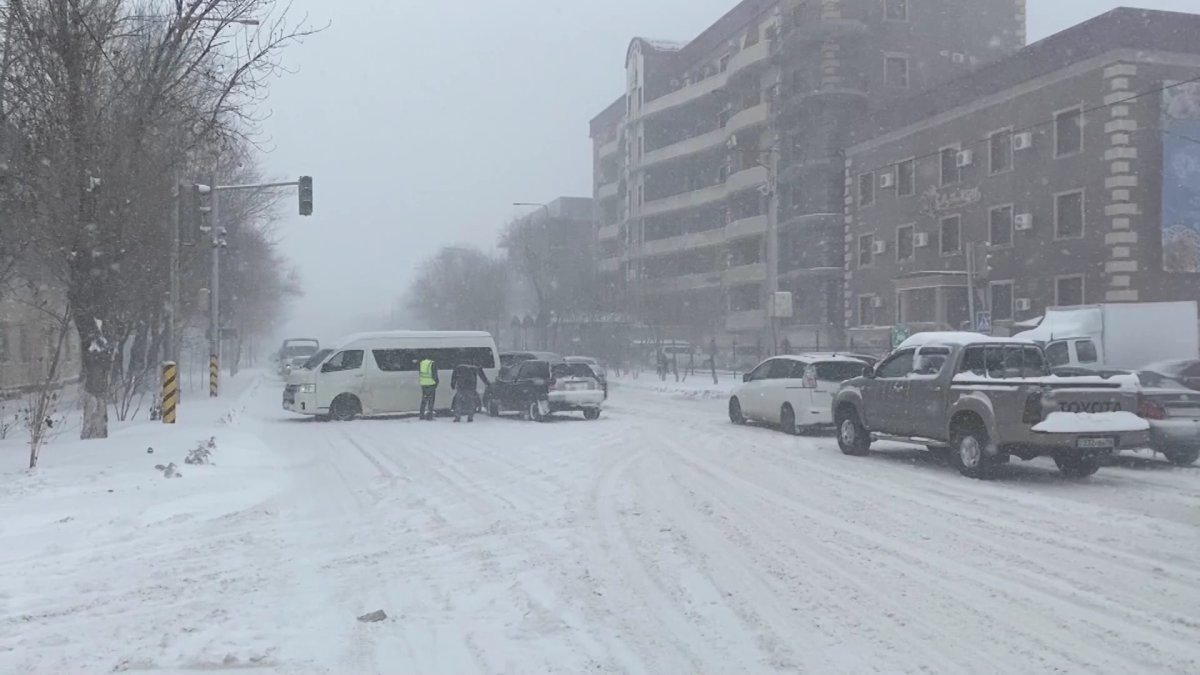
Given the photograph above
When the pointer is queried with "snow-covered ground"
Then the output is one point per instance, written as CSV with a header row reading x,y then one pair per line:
x,y
660,539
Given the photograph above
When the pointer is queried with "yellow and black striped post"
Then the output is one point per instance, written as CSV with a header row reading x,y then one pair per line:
x,y
170,391
214,375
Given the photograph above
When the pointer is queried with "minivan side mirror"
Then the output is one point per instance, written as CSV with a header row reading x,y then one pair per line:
x,y
869,373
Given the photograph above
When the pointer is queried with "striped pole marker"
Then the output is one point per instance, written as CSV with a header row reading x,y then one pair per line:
x,y
170,391
214,375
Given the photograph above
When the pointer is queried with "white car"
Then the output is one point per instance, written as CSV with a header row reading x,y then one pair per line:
x,y
794,392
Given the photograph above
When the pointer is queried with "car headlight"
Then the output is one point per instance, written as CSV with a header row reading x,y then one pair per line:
x,y
308,389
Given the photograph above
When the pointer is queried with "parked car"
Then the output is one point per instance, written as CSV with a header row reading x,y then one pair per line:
x,y
1185,372
1171,409
793,392
988,399
293,348
539,388
597,368
509,358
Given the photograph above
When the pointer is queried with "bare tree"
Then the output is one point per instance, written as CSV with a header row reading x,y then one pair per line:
x,y
116,97
459,288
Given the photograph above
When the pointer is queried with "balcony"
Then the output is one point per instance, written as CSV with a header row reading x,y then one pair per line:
x,y
750,117
706,141
756,54
684,200
746,322
818,31
609,232
754,177
687,282
746,227
746,274
610,148
607,191
609,265
686,242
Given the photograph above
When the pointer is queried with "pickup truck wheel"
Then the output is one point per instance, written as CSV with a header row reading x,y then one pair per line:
x,y
1183,456
735,412
787,420
853,437
969,453
1076,465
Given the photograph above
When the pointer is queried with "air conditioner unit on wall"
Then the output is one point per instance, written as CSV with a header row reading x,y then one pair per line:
x,y
879,247
965,158
1024,304
1023,221
1023,141
887,180
921,239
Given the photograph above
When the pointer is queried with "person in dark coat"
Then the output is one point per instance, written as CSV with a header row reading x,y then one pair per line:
x,y
465,383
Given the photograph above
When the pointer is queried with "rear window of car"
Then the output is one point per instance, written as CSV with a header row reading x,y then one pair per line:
x,y
839,371
573,370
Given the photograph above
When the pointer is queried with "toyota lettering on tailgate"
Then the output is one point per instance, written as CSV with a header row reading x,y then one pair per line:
x,y
1092,407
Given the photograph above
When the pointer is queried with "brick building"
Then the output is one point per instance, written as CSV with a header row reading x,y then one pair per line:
x,y
1058,168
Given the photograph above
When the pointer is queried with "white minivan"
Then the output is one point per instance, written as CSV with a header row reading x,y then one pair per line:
x,y
376,373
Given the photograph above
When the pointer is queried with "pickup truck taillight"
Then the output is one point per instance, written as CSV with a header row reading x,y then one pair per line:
x,y
1033,409
1150,409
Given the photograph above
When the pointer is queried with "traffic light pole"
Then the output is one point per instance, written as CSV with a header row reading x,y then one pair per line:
x,y
218,242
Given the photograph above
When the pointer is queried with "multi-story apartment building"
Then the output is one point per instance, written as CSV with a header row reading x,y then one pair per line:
x,y
719,172
1070,171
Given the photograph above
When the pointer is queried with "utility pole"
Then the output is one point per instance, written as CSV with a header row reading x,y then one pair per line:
x,y
214,324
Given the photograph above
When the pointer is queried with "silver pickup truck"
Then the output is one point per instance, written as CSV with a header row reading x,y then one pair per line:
x,y
987,399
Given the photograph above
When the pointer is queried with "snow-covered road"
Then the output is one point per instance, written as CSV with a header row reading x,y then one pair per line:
x,y
660,539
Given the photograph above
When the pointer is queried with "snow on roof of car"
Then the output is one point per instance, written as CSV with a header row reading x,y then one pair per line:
x,y
957,339
814,356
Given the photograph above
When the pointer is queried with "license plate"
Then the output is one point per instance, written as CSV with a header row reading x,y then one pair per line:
x,y
1096,443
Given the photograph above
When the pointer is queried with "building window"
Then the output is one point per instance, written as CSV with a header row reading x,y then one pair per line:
x,y
904,243
895,71
866,310
1000,152
951,235
1068,291
895,10
1068,132
866,189
950,172
865,242
1001,300
1000,226
906,178
1068,215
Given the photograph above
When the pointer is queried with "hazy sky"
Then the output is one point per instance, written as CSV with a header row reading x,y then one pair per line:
x,y
423,120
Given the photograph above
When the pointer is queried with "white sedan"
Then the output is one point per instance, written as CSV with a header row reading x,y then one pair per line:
x,y
793,392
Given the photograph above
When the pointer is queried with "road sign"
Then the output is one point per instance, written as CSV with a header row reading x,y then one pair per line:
x,y
899,335
983,322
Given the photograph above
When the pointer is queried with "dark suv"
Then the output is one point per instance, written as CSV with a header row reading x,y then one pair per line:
x,y
538,388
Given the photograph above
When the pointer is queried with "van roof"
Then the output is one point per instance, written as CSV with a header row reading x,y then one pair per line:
x,y
414,334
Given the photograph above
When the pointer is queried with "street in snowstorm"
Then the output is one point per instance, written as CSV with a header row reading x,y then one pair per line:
x,y
659,538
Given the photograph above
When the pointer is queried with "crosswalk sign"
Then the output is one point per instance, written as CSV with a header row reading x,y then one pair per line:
x,y
983,322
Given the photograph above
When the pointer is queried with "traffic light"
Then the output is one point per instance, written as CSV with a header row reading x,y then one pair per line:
x,y
193,212
306,195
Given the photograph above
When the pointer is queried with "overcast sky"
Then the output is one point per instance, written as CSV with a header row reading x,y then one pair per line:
x,y
422,121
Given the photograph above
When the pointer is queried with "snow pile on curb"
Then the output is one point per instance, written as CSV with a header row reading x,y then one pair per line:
x,y
698,387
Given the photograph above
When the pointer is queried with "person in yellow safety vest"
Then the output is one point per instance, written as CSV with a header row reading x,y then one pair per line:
x,y
429,385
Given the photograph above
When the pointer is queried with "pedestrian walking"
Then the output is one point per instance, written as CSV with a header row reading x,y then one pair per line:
x,y
428,375
785,347
465,383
